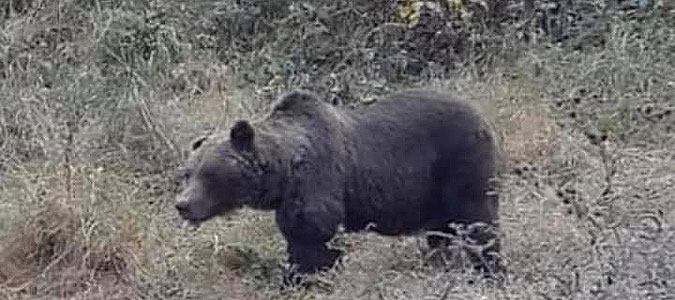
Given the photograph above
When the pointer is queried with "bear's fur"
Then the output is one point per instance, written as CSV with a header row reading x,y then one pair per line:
x,y
413,162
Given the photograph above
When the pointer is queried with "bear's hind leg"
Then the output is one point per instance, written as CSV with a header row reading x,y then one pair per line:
x,y
478,242
485,255
471,225
439,241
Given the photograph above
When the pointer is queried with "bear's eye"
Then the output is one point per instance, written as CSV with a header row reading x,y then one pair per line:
x,y
185,175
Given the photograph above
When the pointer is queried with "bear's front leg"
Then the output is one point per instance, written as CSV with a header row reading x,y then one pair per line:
x,y
306,259
310,258
308,226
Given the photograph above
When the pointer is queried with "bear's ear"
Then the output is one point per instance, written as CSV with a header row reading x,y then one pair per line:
x,y
198,142
241,136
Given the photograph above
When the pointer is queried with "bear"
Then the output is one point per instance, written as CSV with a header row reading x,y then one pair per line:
x,y
415,161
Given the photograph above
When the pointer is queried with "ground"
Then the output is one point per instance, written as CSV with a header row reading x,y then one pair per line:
x,y
101,99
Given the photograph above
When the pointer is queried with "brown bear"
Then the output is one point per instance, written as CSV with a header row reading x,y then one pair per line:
x,y
415,161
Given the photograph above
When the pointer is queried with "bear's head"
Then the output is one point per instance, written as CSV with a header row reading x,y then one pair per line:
x,y
220,176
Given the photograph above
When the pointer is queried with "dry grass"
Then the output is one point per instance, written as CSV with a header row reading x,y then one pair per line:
x,y
100,97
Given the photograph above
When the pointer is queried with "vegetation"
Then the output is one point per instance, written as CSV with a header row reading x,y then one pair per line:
x,y
98,99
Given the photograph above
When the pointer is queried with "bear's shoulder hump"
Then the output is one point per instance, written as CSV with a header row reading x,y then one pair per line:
x,y
297,101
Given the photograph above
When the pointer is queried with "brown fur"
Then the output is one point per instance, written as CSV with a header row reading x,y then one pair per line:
x,y
413,162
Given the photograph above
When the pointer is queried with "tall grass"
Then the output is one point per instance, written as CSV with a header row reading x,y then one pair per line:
x,y
99,98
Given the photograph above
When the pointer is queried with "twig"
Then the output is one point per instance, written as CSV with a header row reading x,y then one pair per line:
x,y
150,124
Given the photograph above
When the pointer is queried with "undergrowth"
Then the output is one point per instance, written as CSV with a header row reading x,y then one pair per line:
x,y
99,98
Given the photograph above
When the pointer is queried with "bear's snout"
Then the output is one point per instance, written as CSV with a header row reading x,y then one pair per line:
x,y
182,207
184,210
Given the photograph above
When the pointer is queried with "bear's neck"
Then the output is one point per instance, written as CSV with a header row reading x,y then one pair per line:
x,y
274,154
284,148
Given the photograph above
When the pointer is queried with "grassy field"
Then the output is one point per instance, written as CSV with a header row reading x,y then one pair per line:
x,y
99,98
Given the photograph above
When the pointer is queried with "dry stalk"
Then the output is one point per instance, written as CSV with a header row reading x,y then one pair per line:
x,y
152,125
